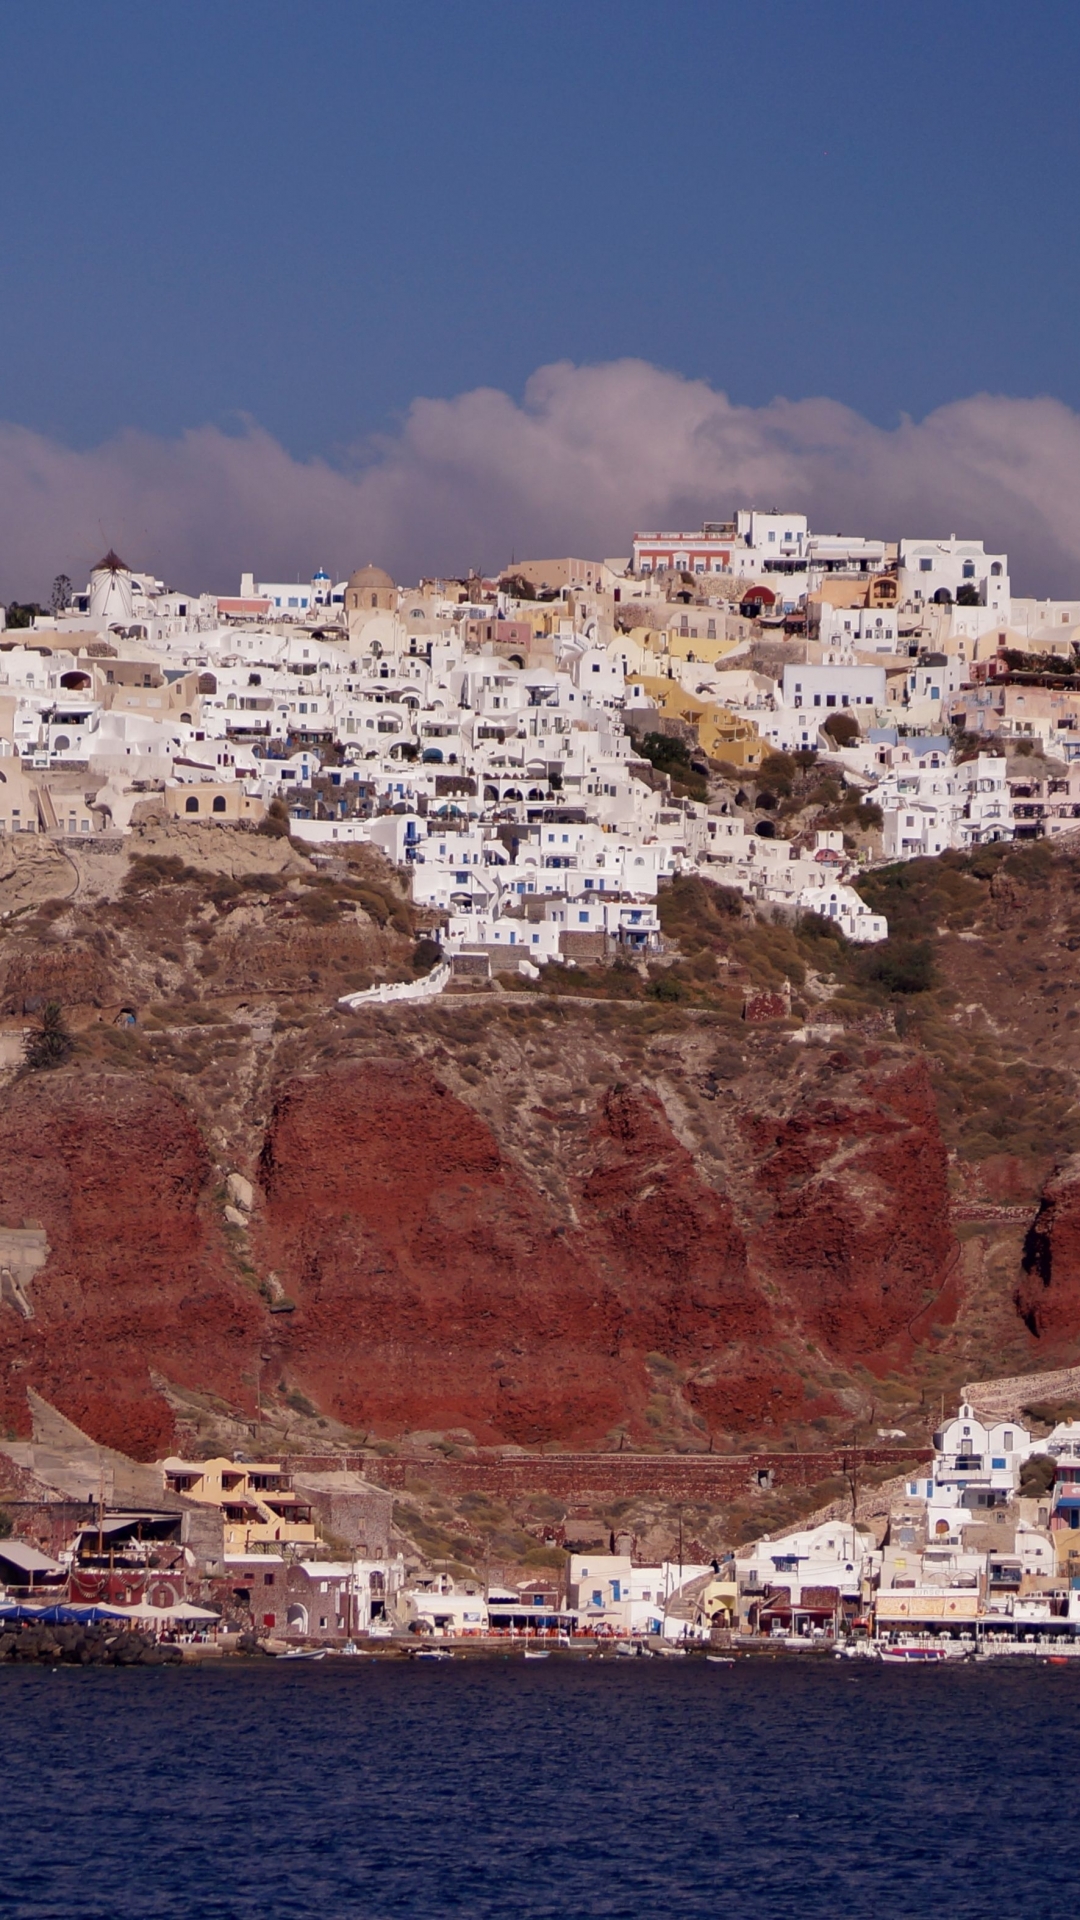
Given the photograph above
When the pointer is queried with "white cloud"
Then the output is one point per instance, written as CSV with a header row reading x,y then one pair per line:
x,y
588,455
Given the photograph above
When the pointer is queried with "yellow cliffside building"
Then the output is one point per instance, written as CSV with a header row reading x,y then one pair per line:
x,y
259,1509
722,734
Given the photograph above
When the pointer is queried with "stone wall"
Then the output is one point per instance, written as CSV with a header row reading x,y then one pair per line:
x,y
715,1478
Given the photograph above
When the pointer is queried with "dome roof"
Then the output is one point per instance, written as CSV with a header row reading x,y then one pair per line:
x,y
370,576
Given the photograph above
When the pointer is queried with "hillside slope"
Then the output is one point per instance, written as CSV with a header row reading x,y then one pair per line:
x,y
612,1211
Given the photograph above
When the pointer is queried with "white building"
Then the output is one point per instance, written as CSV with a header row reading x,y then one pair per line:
x,y
724,546
822,690
610,1595
976,1466
940,569
858,629
986,806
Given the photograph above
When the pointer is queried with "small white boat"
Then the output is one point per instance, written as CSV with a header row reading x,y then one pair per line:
x,y
304,1653
720,1659
433,1653
538,1653
913,1656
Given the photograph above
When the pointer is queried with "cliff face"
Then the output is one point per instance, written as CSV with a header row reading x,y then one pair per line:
x,y
1048,1296
462,1293
434,1279
537,1219
859,1235
115,1169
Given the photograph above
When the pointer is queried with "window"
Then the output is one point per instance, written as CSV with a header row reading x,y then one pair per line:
x,y
926,566
969,569
598,1598
219,803
268,1579
191,804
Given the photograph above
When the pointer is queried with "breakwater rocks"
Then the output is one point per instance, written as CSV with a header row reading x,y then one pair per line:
x,y
98,1646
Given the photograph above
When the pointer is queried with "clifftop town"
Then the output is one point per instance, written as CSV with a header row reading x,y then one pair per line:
x,y
615,1011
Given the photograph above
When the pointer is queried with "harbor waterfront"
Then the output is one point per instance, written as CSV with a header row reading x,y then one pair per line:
x,y
606,1787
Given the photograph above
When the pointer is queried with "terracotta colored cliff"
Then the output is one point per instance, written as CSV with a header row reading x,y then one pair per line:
x,y
114,1170
858,1236
438,1287
1048,1296
435,1285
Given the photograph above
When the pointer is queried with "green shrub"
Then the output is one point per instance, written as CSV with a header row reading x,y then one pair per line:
x,y
665,986
901,966
49,1043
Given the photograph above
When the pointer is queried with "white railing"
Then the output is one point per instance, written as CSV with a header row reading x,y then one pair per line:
x,y
424,989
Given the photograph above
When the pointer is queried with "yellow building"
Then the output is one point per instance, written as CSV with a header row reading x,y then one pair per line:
x,y
223,802
258,1505
722,734
718,1601
676,644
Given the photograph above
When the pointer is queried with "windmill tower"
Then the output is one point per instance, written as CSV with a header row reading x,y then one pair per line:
x,y
110,591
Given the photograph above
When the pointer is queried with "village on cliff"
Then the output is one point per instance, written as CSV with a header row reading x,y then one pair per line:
x,y
970,1553
541,749
538,753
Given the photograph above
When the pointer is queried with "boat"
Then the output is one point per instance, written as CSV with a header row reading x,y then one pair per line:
x,y
433,1653
538,1653
304,1653
913,1656
720,1659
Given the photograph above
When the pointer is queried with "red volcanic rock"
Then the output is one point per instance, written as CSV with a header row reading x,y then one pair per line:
x,y
434,1285
858,1234
666,1243
1048,1297
439,1288
113,1168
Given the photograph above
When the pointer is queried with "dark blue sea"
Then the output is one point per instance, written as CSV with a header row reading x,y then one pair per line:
x,y
492,1789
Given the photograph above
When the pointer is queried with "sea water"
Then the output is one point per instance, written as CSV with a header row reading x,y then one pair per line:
x,y
499,1791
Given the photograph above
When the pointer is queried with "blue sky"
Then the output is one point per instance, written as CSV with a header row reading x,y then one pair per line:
x,y
246,245
311,213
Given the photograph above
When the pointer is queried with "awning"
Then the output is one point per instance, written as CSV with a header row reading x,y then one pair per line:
x,y
27,1559
123,1522
61,1615
184,1610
